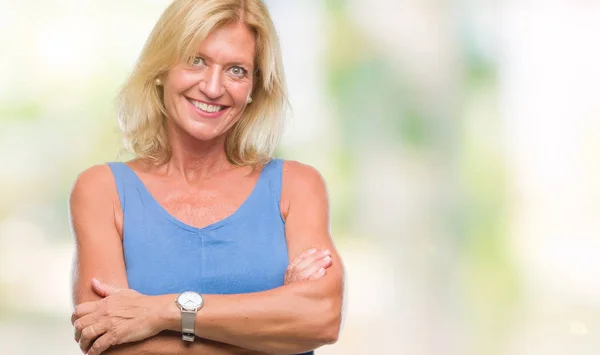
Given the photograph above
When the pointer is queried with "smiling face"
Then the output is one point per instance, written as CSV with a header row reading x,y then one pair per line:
x,y
207,95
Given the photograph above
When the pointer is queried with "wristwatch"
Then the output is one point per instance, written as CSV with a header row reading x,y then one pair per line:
x,y
189,303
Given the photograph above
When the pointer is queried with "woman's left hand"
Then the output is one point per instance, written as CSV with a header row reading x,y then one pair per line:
x,y
122,316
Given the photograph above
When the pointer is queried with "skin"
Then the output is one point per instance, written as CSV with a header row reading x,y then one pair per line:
x,y
221,73
199,187
310,265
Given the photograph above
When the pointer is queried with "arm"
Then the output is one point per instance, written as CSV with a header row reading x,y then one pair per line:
x,y
96,221
293,318
171,343
310,265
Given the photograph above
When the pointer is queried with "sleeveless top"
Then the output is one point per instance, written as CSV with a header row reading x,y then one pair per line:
x,y
244,252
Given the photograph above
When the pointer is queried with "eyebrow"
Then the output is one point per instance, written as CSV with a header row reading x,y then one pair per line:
x,y
235,62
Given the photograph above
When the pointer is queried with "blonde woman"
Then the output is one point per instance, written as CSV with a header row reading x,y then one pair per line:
x,y
186,249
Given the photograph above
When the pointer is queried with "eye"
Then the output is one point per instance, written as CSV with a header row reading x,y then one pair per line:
x,y
197,61
238,71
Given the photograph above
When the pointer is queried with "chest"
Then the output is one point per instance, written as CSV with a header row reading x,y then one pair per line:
x,y
203,204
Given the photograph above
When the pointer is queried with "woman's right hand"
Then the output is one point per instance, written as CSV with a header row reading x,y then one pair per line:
x,y
310,265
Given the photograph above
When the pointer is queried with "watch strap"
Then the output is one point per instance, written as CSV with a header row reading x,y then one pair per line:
x,y
188,322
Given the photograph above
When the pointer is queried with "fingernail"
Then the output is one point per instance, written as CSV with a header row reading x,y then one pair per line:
x,y
327,259
321,271
327,252
311,251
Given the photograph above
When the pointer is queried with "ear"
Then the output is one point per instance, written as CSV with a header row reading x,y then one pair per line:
x,y
103,289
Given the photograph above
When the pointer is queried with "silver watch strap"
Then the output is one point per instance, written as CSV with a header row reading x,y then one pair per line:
x,y
188,322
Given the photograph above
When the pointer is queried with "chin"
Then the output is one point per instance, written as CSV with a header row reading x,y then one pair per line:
x,y
204,133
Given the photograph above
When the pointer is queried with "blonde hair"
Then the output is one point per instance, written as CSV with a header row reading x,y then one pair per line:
x,y
175,38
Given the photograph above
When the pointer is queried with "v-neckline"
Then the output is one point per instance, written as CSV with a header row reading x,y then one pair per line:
x,y
187,226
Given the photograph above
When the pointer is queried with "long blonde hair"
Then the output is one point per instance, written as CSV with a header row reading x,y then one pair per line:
x,y
176,37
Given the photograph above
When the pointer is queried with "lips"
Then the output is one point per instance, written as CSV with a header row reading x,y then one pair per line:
x,y
207,110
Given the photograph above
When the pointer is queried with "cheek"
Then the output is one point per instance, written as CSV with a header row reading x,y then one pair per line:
x,y
172,100
168,102
177,84
239,92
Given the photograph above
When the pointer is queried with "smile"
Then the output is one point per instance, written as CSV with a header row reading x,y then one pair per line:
x,y
206,107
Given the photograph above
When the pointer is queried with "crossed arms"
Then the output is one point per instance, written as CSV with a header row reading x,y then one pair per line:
x,y
300,316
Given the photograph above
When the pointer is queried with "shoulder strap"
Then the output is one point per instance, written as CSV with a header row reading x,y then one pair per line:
x,y
272,174
123,178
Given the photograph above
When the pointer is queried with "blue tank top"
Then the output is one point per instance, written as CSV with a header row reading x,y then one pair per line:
x,y
244,252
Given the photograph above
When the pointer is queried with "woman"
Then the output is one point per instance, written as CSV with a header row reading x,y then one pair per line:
x,y
185,249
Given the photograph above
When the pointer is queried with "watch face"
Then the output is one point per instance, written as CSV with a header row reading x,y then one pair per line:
x,y
190,300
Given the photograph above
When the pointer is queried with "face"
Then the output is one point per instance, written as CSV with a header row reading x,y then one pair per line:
x,y
207,95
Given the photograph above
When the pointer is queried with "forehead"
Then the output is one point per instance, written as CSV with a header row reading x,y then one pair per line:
x,y
230,43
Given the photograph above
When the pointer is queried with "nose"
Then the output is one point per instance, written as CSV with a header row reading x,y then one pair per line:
x,y
212,83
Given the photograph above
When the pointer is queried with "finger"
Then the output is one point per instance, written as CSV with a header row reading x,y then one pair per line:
x,y
103,289
317,274
314,268
302,256
295,271
80,324
312,259
307,260
308,272
326,262
89,334
101,344
83,309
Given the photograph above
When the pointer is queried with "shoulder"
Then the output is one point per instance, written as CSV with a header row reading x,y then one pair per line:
x,y
93,184
298,175
302,184
97,176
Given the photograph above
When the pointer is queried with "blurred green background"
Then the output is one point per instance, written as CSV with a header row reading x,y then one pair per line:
x,y
459,140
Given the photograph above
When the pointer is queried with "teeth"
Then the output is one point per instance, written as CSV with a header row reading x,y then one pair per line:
x,y
206,108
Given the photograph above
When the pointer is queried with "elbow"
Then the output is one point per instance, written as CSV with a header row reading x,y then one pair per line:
x,y
328,329
330,332
327,336
321,324
331,335
324,332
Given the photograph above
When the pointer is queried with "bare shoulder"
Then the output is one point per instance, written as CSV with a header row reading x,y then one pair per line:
x,y
298,175
95,183
94,199
302,184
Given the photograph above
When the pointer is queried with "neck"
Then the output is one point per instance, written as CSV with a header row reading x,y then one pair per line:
x,y
194,159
